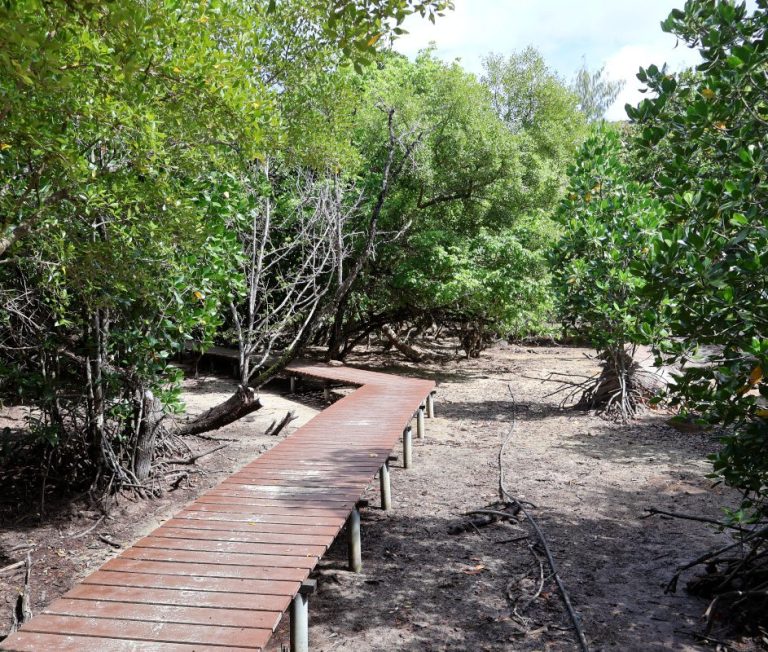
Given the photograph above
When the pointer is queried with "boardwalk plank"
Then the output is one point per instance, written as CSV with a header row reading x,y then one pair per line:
x,y
248,638
25,641
164,613
179,598
149,580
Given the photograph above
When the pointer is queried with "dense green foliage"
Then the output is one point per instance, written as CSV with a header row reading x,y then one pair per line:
x,y
710,263
539,108
130,134
610,223
476,196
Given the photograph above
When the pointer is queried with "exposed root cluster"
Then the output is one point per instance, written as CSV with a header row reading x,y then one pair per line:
x,y
735,579
621,390
736,583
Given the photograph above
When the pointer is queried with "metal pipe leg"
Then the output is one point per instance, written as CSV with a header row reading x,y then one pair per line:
x,y
353,540
327,393
431,405
385,486
293,384
300,623
407,447
420,422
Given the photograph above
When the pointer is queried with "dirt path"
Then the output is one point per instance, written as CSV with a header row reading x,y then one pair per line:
x,y
424,589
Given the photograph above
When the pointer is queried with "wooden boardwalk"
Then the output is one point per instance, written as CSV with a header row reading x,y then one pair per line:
x,y
221,573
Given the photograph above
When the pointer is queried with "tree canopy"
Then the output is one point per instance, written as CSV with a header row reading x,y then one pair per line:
x,y
129,137
709,268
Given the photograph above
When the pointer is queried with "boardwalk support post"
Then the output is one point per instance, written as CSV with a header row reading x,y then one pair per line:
x,y
431,405
353,541
385,486
327,393
420,422
407,447
300,617
293,384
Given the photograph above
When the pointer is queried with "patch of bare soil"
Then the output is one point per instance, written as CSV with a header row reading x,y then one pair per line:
x,y
424,589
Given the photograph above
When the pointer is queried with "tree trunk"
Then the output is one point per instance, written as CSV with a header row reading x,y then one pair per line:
x,y
406,349
336,342
390,175
151,410
241,403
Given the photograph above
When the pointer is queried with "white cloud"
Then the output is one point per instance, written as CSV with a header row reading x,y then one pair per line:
x,y
622,34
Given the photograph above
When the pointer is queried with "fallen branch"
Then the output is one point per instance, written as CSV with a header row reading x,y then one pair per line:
x,y
241,403
505,495
672,584
652,511
12,567
275,427
471,524
21,546
193,458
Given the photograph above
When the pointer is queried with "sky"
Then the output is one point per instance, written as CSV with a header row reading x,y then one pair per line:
x,y
623,35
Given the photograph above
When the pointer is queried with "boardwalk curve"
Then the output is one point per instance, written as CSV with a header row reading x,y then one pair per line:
x,y
221,573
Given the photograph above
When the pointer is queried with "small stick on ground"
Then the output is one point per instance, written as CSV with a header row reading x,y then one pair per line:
x,y
211,438
652,511
177,482
505,495
275,428
109,541
90,529
702,637
193,458
493,512
514,540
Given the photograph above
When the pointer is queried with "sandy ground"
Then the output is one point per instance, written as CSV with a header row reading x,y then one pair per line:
x,y
425,589
591,480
